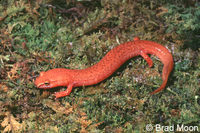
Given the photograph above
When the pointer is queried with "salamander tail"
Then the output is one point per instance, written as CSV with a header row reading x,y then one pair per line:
x,y
165,74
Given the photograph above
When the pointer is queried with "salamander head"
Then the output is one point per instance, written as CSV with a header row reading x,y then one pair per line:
x,y
52,78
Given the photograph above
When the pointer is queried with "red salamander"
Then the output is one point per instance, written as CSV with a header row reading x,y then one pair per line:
x,y
106,66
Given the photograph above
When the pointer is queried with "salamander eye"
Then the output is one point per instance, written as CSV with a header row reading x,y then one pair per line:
x,y
46,82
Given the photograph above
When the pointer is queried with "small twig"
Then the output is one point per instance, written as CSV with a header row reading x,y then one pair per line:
x,y
49,6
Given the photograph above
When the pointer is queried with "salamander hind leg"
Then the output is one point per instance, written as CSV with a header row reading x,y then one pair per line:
x,y
136,39
147,58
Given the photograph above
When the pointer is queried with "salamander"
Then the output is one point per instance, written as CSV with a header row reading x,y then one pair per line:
x,y
106,66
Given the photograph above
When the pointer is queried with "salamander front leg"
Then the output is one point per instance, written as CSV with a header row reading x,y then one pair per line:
x,y
64,93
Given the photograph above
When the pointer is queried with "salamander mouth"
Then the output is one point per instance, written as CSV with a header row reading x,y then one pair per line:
x,y
42,86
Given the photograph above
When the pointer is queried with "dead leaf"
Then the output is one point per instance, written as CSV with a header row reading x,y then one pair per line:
x,y
57,107
10,123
